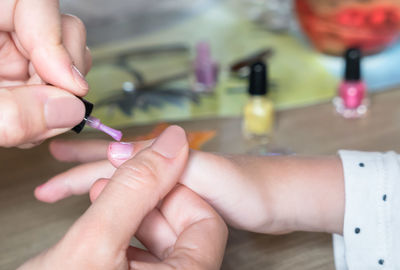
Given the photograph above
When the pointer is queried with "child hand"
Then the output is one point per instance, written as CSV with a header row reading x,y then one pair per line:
x,y
221,181
261,194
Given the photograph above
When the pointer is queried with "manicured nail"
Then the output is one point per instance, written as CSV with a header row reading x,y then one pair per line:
x,y
170,142
120,151
40,187
65,112
79,78
49,193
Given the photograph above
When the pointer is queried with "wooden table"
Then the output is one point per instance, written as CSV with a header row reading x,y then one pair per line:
x,y
28,226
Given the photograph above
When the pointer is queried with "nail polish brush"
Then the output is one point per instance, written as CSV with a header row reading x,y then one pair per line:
x,y
95,123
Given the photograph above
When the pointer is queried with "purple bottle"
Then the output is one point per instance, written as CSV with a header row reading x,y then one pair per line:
x,y
206,69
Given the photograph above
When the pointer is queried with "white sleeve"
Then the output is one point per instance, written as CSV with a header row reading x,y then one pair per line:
x,y
371,233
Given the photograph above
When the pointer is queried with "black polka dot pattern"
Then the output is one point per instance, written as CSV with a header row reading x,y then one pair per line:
x,y
371,187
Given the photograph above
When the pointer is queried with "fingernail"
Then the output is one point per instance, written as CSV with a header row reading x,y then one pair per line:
x,y
170,142
120,151
40,187
65,112
79,78
132,264
47,193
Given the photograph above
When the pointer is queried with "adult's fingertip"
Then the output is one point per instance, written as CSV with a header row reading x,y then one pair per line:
x,y
54,66
88,60
171,142
79,78
64,112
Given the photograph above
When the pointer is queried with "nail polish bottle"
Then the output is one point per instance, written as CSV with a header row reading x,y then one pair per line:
x,y
95,123
258,118
206,69
351,101
88,111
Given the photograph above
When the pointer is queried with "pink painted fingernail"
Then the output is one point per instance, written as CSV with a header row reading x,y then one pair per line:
x,y
40,187
120,151
170,142
132,264
79,78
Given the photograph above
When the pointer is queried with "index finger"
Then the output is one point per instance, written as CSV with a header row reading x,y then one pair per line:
x,y
38,34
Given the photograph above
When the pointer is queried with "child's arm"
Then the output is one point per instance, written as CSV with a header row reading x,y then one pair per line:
x,y
271,194
279,194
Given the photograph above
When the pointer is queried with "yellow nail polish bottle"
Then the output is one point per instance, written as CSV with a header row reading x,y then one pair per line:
x,y
258,119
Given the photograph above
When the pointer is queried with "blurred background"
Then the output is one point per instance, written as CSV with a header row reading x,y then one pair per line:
x,y
119,20
145,52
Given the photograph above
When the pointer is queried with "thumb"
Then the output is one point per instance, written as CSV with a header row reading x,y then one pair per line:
x,y
136,188
33,113
38,35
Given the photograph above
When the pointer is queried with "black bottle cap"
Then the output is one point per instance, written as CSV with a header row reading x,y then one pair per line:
x,y
88,111
258,79
353,64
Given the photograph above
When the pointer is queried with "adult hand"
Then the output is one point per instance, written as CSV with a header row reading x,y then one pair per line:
x,y
40,46
183,232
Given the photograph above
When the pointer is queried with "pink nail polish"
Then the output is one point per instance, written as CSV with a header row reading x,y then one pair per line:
x,y
120,151
351,101
40,187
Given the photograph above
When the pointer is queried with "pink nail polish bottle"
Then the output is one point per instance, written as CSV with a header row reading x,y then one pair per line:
x,y
351,101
